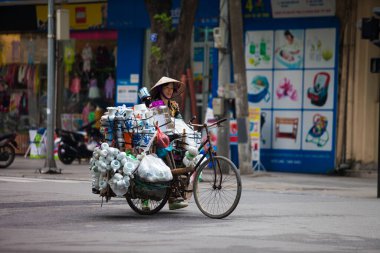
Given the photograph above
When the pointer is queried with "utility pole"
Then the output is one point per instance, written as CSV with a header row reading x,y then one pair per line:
x,y
223,80
50,166
241,100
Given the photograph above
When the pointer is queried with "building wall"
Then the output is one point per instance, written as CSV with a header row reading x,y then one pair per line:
x,y
364,98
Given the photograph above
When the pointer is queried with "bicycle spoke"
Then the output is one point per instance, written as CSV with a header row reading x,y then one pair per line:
x,y
220,199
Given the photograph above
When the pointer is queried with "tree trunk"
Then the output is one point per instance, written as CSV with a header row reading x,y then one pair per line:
x,y
241,100
171,50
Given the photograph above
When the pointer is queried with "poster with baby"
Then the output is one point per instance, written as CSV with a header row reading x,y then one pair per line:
x,y
289,49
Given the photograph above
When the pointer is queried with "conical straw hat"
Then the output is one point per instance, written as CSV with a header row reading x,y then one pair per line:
x,y
178,86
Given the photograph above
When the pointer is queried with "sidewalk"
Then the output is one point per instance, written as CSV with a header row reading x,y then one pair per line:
x,y
362,187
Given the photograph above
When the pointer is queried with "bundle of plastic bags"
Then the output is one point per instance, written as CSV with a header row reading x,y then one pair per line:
x,y
153,169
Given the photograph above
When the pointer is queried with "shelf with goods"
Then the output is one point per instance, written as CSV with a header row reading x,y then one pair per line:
x,y
22,96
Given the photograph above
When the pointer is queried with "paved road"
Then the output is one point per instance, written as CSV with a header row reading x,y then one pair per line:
x,y
278,212
53,215
365,187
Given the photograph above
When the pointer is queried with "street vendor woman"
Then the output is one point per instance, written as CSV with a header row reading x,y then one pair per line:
x,y
165,90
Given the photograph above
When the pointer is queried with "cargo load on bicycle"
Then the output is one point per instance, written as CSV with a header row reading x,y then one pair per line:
x,y
147,156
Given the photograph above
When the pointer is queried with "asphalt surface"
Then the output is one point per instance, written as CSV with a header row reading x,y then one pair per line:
x,y
362,185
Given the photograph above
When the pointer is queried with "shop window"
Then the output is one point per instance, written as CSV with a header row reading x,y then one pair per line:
x,y
89,79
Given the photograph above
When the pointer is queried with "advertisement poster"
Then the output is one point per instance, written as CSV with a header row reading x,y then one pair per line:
x,y
266,130
295,89
254,132
289,49
259,49
318,130
288,89
233,132
260,88
286,130
318,89
320,48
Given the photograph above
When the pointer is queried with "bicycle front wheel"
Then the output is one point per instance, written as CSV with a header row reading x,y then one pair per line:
x,y
217,187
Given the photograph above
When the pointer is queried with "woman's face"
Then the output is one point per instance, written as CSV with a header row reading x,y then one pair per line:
x,y
168,90
289,38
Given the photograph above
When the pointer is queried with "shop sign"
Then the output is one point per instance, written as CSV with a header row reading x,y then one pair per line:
x,y
126,92
127,14
256,9
82,16
302,8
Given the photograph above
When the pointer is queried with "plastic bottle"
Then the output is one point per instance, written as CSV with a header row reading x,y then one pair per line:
x,y
190,154
115,164
263,47
252,48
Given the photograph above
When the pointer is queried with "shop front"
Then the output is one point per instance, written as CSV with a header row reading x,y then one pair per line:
x,y
87,66
86,71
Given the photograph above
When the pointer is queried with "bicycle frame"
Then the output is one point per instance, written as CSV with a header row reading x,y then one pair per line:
x,y
211,152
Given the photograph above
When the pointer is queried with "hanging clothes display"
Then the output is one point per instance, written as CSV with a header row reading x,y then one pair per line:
x,y
93,91
87,57
109,87
68,58
31,49
75,88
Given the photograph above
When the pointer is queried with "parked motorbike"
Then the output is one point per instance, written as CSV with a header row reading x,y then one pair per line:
x,y
8,145
78,144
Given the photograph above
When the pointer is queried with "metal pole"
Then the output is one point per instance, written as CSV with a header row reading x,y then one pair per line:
x,y
50,166
378,154
223,80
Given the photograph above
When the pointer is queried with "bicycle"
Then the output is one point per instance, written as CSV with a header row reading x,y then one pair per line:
x,y
216,186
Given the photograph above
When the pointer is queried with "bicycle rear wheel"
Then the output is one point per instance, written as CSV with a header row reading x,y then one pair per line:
x,y
217,187
146,206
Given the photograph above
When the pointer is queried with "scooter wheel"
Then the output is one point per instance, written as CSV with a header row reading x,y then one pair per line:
x,y
7,155
64,157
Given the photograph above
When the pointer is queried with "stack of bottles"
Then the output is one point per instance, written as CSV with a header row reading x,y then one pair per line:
x,y
127,128
108,162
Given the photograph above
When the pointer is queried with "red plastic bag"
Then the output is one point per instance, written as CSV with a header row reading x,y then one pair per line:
x,y
163,140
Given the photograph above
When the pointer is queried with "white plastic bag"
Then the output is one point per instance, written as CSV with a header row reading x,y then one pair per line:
x,y
193,138
119,184
153,169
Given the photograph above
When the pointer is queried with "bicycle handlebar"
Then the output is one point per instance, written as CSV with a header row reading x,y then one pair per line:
x,y
205,125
